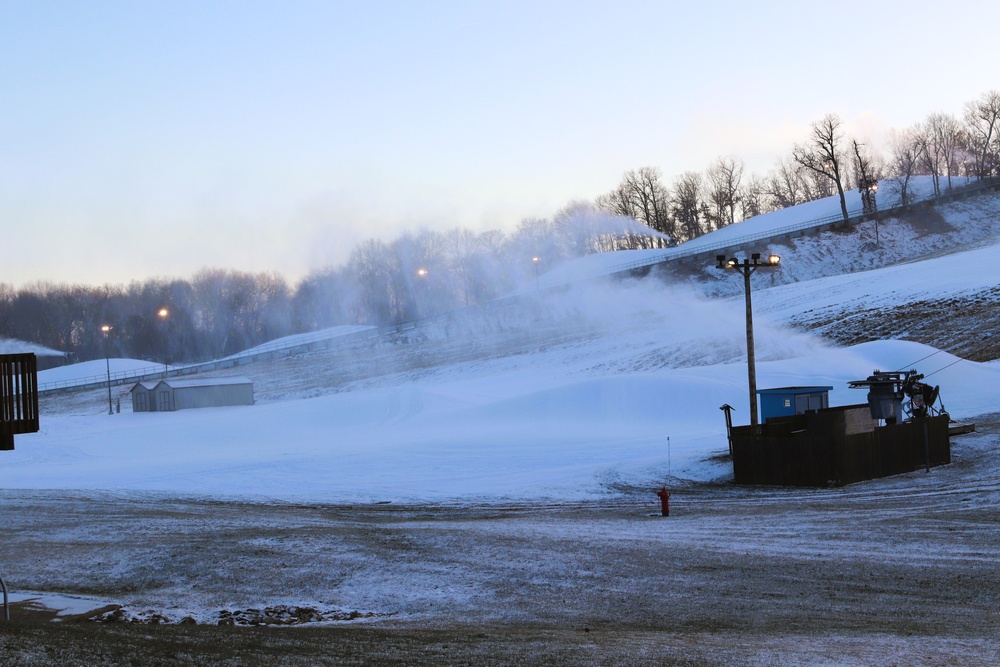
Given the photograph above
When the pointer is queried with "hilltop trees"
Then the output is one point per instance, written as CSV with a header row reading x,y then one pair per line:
x,y
217,313
982,120
723,193
641,196
753,197
823,154
942,139
867,173
786,186
687,205
220,312
907,151
233,310
828,162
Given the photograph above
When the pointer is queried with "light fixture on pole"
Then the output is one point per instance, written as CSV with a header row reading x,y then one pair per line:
x,y
420,297
746,268
163,314
871,206
535,260
107,363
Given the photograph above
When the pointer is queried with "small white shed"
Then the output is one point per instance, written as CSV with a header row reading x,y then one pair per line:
x,y
182,394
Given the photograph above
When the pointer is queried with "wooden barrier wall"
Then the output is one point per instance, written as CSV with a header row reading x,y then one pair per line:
x,y
836,447
18,397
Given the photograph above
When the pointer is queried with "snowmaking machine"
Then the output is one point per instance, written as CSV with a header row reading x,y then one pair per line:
x,y
899,396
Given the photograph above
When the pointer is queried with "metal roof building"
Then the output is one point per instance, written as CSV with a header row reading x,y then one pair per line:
x,y
177,394
787,401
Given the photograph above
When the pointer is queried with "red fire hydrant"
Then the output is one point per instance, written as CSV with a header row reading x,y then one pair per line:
x,y
664,501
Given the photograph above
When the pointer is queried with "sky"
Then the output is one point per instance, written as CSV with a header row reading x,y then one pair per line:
x,y
153,139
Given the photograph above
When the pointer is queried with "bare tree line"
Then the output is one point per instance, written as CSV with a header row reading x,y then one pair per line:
x,y
220,312
828,162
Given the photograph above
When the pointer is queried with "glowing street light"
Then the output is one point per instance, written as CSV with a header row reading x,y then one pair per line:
x,y
871,206
107,362
420,296
746,268
163,314
535,260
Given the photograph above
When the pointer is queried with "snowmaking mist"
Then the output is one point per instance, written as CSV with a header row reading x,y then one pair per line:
x,y
622,326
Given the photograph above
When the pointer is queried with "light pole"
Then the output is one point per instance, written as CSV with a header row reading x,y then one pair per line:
x,y
873,206
420,296
535,260
163,314
746,269
107,363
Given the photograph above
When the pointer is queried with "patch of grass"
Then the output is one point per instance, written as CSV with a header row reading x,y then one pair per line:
x,y
163,646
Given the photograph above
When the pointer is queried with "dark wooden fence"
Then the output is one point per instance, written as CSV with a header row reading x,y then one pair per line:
x,y
835,447
18,397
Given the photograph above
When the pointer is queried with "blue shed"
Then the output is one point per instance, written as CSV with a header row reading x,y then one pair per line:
x,y
788,401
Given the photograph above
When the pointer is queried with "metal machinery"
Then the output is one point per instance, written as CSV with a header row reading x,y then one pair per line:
x,y
891,395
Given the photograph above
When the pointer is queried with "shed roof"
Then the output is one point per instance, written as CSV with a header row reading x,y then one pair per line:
x,y
178,383
794,390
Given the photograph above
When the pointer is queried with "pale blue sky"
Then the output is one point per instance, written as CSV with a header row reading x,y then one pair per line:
x,y
147,138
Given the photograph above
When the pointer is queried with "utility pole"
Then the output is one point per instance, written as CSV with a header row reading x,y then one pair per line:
x,y
747,268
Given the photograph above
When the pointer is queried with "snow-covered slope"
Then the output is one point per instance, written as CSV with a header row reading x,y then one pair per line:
x,y
566,394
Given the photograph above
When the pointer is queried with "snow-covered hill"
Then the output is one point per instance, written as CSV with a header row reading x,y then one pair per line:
x,y
568,393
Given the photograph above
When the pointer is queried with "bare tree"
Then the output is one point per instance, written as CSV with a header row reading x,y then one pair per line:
x,y
322,299
785,185
418,280
237,310
723,180
754,198
492,241
573,226
654,200
641,196
867,172
907,151
464,249
982,121
534,237
618,202
482,265
942,141
823,155
370,266
687,205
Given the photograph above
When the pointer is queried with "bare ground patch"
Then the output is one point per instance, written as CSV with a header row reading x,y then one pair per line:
x,y
899,569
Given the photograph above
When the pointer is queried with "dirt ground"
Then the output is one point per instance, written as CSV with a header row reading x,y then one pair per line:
x,y
894,571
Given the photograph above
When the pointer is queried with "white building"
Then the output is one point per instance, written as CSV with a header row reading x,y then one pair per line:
x,y
181,394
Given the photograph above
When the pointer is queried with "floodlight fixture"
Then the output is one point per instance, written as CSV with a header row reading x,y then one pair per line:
x,y
106,328
746,269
